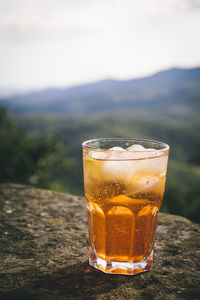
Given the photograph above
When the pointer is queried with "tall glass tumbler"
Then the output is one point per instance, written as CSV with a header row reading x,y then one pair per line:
x,y
124,181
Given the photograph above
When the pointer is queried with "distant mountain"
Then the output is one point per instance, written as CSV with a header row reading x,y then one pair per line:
x,y
175,91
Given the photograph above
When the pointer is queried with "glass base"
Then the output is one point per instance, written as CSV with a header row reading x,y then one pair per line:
x,y
117,267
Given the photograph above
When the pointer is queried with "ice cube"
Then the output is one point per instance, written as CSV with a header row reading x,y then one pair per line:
x,y
150,149
98,154
118,170
149,152
135,151
141,184
154,165
116,153
135,148
138,151
117,149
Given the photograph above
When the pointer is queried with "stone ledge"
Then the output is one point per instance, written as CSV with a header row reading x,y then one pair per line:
x,y
44,253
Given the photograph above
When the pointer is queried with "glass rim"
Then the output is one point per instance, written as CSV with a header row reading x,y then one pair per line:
x,y
160,152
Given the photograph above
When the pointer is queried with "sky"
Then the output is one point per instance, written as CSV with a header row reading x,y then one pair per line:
x,y
48,43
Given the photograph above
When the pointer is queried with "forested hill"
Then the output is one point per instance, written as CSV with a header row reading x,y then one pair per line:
x,y
171,92
41,141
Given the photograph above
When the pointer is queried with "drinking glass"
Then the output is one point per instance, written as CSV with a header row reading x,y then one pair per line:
x,y
124,181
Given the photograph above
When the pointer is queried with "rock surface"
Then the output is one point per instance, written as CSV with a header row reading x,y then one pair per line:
x,y
43,249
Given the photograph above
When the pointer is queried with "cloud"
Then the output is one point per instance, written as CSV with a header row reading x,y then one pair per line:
x,y
194,4
34,32
48,19
48,42
26,20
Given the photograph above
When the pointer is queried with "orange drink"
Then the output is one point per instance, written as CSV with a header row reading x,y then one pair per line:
x,y
124,182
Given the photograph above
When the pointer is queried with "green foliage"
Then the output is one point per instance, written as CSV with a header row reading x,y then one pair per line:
x,y
29,159
54,160
182,195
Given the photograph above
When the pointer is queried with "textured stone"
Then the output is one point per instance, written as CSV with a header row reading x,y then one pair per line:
x,y
44,253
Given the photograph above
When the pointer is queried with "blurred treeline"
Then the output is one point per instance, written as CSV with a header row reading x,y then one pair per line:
x,y
39,161
45,151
